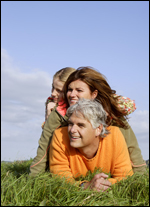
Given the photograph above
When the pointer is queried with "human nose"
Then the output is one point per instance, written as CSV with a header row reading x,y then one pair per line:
x,y
73,129
72,93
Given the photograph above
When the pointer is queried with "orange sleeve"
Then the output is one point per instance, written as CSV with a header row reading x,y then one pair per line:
x,y
58,159
122,165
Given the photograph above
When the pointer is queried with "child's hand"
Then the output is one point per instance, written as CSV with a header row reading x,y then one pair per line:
x,y
50,107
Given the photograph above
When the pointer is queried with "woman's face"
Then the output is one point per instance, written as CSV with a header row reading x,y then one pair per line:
x,y
78,89
57,87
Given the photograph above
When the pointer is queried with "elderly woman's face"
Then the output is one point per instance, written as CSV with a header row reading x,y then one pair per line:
x,y
78,89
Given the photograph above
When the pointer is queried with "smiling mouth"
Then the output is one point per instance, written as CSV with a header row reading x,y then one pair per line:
x,y
73,100
73,138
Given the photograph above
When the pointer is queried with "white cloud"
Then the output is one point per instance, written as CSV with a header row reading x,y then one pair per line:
x,y
23,97
23,94
139,122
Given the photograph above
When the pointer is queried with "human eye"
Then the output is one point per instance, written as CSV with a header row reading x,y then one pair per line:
x,y
79,90
69,89
59,91
81,125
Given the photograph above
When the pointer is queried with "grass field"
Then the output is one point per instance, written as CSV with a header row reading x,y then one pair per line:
x,y
18,189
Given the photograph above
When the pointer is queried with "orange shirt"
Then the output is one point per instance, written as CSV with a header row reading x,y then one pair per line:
x,y
112,156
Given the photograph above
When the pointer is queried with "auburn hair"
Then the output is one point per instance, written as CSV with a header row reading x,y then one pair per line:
x,y
97,81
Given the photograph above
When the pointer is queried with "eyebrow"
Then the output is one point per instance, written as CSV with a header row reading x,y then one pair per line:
x,y
76,88
57,88
79,123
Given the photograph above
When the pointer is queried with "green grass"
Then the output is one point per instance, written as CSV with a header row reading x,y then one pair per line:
x,y
19,189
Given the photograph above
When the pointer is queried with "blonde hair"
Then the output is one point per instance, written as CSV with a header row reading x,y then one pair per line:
x,y
64,73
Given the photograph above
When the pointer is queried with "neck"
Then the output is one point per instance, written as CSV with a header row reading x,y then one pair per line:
x,y
91,150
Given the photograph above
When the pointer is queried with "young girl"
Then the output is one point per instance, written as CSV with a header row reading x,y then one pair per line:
x,y
59,79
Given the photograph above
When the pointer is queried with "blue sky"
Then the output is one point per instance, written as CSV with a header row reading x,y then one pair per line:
x,y
40,37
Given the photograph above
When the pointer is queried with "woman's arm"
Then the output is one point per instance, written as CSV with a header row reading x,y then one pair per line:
x,y
138,164
41,161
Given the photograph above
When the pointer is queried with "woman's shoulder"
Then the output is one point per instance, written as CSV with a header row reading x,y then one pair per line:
x,y
114,123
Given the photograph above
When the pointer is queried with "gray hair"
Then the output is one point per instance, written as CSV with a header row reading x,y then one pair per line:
x,y
92,111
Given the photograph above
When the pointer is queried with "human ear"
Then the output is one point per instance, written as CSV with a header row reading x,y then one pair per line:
x,y
98,130
94,94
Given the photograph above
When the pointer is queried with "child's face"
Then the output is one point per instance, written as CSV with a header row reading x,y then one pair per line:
x,y
57,87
